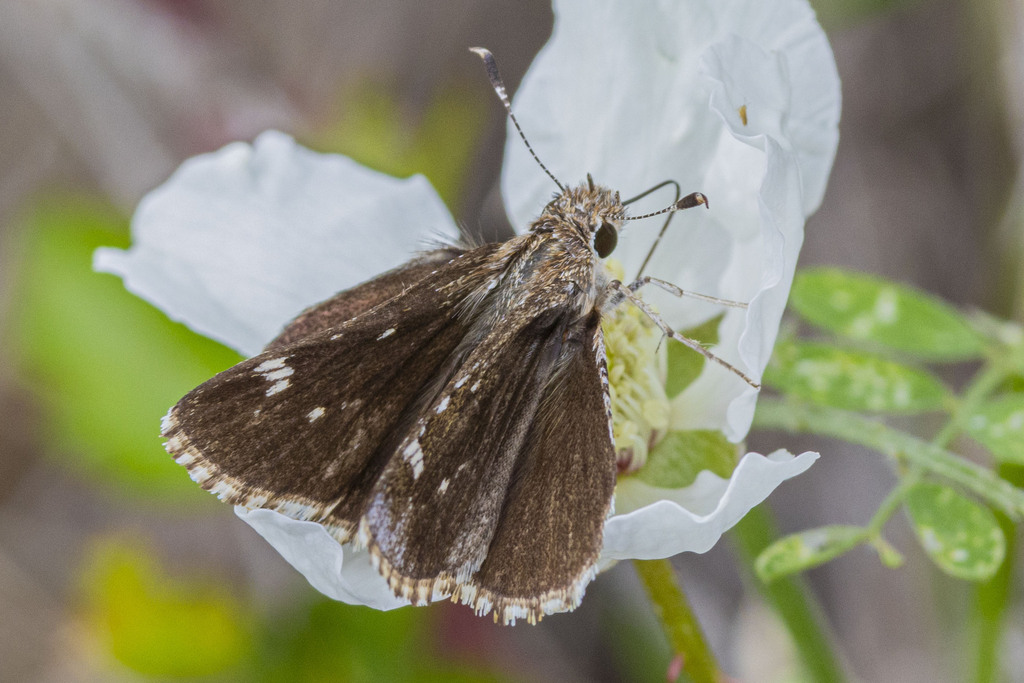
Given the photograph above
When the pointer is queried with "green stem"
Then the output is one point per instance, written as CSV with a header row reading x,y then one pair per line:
x,y
990,597
832,422
978,391
791,598
893,501
677,619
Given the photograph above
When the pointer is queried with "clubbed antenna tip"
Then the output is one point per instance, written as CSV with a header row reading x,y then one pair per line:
x,y
494,76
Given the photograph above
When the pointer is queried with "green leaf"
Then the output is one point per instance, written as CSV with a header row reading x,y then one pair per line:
x,y
852,380
999,426
373,130
871,309
685,364
675,461
807,549
106,365
332,641
161,627
835,15
962,537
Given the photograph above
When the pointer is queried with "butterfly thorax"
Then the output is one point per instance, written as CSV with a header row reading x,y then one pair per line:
x,y
557,263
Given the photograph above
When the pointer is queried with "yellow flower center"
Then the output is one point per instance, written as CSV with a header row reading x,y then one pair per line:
x,y
636,378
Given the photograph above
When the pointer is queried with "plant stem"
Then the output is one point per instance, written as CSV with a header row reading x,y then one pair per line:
x,y
677,619
840,424
893,501
980,388
990,597
791,598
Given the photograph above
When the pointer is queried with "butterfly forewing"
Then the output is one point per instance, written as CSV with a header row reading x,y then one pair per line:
x,y
350,303
306,427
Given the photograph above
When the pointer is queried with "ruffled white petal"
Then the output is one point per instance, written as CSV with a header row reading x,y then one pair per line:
x,y
339,572
239,241
657,523
615,93
652,523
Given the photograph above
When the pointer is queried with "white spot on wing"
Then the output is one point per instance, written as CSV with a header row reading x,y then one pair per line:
x,y
413,454
443,404
315,414
275,370
278,387
601,356
386,333
332,468
444,486
272,364
275,375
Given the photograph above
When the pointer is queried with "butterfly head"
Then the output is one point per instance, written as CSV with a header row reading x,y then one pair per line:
x,y
588,211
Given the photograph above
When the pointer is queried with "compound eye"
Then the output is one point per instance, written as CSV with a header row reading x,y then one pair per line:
x,y
605,239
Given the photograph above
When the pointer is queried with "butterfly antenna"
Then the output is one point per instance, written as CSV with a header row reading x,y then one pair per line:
x,y
499,87
688,202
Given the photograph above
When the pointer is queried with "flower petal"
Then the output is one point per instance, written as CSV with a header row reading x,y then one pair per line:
x,y
651,523
638,114
239,241
664,522
339,572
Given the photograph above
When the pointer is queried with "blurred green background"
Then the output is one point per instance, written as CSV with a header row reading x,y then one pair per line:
x,y
114,566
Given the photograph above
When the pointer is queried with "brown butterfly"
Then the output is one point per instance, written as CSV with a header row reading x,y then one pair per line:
x,y
452,415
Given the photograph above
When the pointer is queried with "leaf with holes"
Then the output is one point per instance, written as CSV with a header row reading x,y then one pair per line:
x,y
962,537
872,309
999,426
852,380
807,549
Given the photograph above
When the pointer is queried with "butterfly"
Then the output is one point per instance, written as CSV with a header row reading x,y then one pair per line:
x,y
452,416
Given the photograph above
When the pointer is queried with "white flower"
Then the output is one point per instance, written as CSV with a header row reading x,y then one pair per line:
x,y
737,99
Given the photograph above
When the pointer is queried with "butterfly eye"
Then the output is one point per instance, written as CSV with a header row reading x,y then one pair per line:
x,y
605,239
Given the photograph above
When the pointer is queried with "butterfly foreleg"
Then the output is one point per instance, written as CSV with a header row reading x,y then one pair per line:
x,y
616,292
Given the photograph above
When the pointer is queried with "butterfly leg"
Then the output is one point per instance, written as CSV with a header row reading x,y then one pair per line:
x,y
676,291
616,292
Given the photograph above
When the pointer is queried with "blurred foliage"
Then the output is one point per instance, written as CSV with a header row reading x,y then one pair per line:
x,y
372,129
332,641
999,426
638,647
105,364
960,535
884,314
852,380
193,627
158,626
837,14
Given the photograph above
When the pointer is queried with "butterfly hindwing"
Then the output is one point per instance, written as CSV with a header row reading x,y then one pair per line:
x,y
548,541
436,505
538,466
